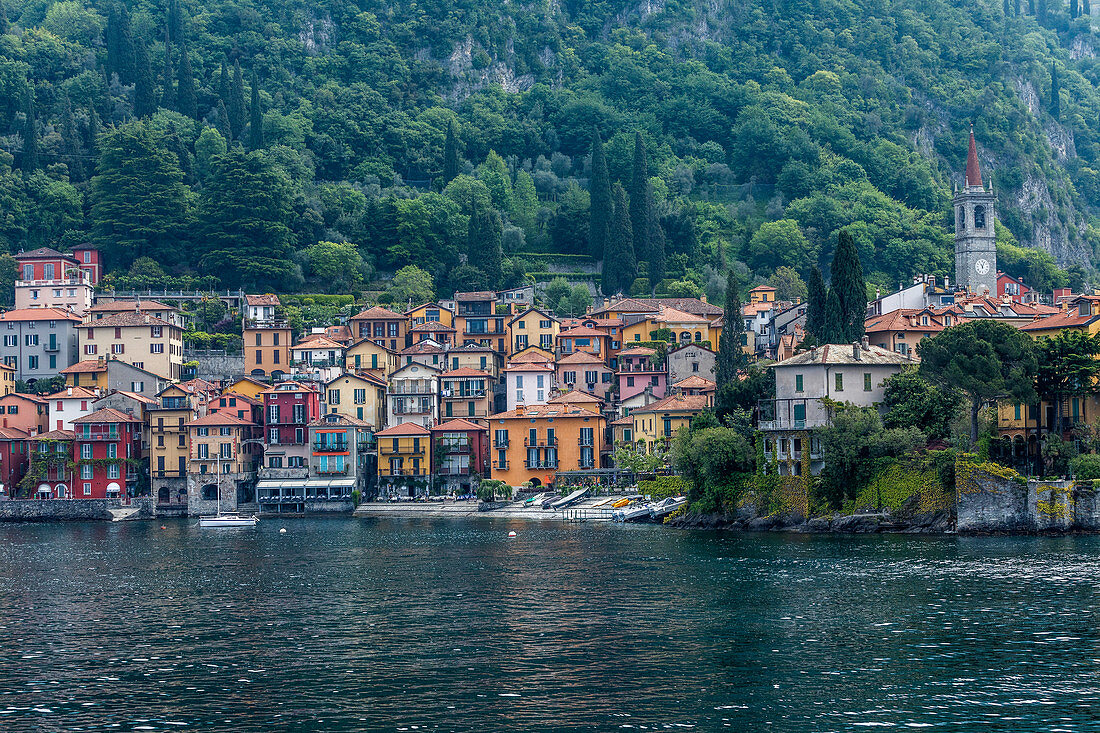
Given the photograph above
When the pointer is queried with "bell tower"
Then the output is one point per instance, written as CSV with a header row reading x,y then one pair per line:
x,y
975,241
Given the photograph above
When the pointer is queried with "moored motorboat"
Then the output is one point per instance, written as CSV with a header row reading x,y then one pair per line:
x,y
569,500
664,507
633,513
537,499
228,520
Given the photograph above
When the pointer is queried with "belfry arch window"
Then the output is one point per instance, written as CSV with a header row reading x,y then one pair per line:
x,y
962,218
979,217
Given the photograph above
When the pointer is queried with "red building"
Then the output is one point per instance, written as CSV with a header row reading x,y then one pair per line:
x,y
289,408
105,440
13,459
462,451
88,259
234,403
44,264
1011,286
53,452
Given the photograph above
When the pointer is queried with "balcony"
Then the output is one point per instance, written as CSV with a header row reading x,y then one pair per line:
x,y
452,395
271,322
540,464
51,347
413,410
540,442
332,471
457,447
340,446
500,443
500,465
400,389
404,472
586,442
98,435
55,283
454,471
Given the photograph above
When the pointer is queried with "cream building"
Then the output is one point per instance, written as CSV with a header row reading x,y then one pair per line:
x,y
145,341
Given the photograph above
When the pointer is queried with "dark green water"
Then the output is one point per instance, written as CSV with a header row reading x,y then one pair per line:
x,y
347,625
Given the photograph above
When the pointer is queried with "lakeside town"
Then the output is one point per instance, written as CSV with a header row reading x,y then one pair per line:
x,y
495,395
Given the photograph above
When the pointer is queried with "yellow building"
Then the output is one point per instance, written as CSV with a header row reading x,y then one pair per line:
x,y
7,379
466,393
533,443
380,325
218,445
658,422
404,459
474,356
1078,318
368,354
533,327
622,431
146,342
430,312
684,327
359,396
247,386
762,294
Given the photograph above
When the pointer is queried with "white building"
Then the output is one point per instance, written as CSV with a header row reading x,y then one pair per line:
x,y
69,404
413,395
529,383
850,373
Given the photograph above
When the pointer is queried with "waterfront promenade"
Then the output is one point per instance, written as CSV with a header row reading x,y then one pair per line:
x,y
468,509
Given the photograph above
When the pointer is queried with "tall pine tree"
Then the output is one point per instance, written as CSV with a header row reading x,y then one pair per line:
x,y
168,89
600,211
655,240
145,95
187,103
256,124
175,22
850,288
450,154
223,85
619,264
223,122
815,306
29,161
731,359
236,102
639,202
833,332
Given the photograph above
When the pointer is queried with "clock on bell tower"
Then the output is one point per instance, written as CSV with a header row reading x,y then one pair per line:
x,y
975,241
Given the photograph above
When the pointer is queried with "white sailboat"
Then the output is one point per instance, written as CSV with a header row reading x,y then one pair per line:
x,y
227,519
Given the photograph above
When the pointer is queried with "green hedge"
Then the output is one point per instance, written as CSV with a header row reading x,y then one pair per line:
x,y
306,299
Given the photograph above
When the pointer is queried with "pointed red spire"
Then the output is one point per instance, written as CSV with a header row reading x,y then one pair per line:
x,y
973,172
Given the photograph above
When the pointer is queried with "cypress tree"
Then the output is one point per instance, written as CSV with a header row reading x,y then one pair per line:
x,y
256,125
236,102
1055,92
833,328
95,127
450,154
175,22
850,288
493,261
599,187
1086,8
70,141
1041,13
111,40
3,19
619,264
186,103
168,95
126,68
145,102
29,161
730,356
655,240
639,202
815,308
223,121
223,85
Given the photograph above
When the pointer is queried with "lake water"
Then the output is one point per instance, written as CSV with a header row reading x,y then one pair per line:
x,y
349,625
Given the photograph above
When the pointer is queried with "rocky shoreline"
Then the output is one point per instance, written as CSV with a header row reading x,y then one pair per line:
x,y
942,522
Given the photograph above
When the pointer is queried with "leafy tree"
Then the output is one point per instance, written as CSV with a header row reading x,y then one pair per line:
x,y
29,160
778,243
186,103
256,123
139,203
816,307
494,173
985,360
209,145
788,285
145,95
601,205
580,300
451,165
525,204
555,290
9,271
730,359
245,213
1069,365
619,265
710,458
411,284
639,201
146,273
335,266
743,395
848,284
568,227
912,401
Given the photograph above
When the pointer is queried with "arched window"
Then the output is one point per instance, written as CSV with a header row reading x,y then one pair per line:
x,y
210,492
698,336
979,217
962,218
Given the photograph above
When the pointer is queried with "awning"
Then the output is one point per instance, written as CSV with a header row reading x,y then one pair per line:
x,y
113,487
305,483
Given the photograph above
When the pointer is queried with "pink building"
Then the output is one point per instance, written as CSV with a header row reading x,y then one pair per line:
x,y
638,372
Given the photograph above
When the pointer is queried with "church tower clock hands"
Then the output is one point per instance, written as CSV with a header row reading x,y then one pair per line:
x,y
975,241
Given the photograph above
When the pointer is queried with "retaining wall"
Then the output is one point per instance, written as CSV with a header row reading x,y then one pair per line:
x,y
991,498
54,510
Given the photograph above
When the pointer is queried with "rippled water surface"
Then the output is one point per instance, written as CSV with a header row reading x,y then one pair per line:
x,y
347,625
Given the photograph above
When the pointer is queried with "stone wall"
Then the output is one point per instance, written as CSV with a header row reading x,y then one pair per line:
x,y
197,506
214,366
992,498
54,510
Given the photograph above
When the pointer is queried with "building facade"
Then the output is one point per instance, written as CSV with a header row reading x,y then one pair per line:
x,y
39,342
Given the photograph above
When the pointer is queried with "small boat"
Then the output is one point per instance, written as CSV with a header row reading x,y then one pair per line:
x,y
536,499
569,500
635,513
626,500
664,507
228,520
548,500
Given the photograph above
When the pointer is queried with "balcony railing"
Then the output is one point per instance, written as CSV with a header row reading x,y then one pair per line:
x,y
458,447
394,389
586,442
51,346
412,410
55,283
452,395
500,465
333,471
454,471
404,472
540,442
540,464
340,446
500,443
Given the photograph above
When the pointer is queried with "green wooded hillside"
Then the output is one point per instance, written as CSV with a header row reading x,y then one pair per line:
x,y
317,146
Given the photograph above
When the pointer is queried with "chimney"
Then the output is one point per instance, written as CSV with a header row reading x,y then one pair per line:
x,y
866,343
855,351
521,410
703,297
147,318
946,283
69,392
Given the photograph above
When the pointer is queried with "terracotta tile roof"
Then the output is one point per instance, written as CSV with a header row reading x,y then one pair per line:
x,y
39,314
339,420
547,410
638,351
42,253
429,326
531,353
422,347
78,393
119,306
540,311
17,434
127,320
86,367
56,435
675,315
107,414
580,331
132,395
465,372
405,428
265,299
316,341
695,306
628,420
219,418
695,382
476,295
238,396
676,402
903,319
40,399
574,397
580,357
458,424
844,354
1069,319
530,366
377,313
761,288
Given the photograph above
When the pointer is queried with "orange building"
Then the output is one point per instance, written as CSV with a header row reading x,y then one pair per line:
x,y
533,443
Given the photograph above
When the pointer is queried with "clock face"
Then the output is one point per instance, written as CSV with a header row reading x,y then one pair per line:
x,y
981,266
